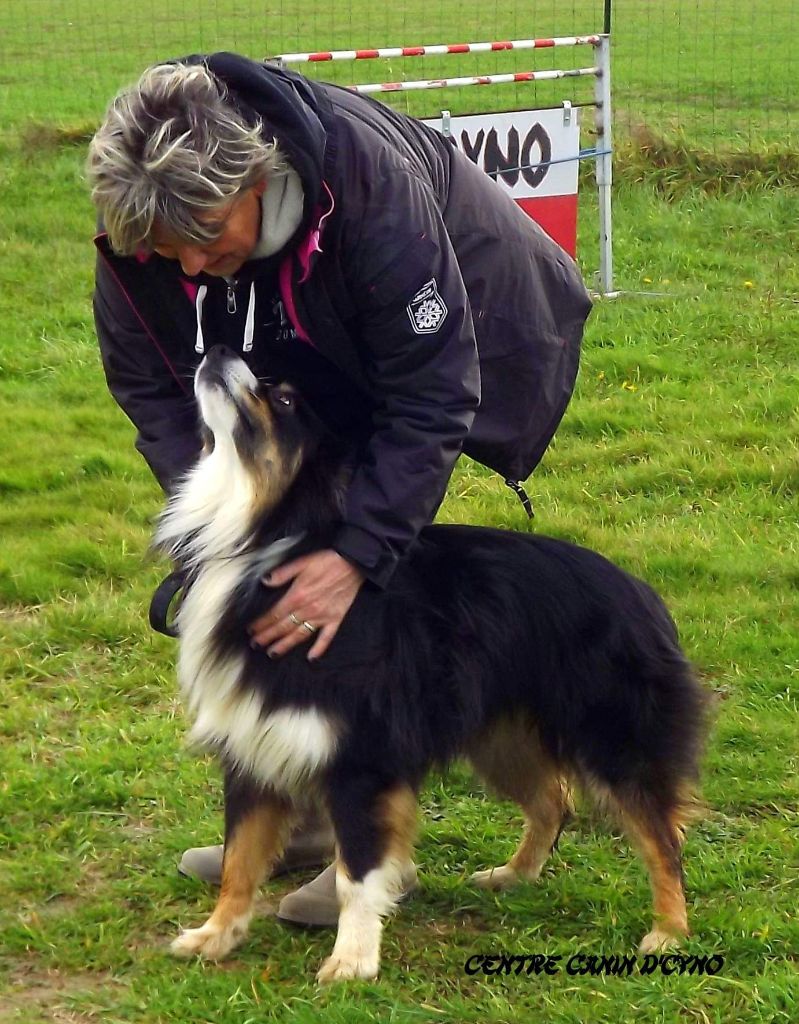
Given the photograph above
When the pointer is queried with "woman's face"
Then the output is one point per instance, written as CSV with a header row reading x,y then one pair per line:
x,y
241,220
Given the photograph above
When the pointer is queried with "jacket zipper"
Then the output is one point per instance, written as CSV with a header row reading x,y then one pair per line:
x,y
231,295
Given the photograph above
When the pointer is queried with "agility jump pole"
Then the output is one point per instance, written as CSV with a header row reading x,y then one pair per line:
x,y
437,49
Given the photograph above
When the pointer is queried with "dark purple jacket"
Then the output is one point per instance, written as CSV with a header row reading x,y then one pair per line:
x,y
423,303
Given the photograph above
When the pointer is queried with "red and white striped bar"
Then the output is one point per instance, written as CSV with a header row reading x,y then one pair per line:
x,y
437,49
447,83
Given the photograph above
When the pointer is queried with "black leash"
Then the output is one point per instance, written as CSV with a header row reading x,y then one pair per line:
x,y
162,599
521,494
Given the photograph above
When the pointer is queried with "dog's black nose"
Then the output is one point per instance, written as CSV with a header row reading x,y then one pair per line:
x,y
219,354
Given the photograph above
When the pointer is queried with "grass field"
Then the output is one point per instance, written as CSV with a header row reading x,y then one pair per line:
x,y
720,72
677,458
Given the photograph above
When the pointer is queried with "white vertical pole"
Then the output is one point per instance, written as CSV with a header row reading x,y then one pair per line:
x,y
604,164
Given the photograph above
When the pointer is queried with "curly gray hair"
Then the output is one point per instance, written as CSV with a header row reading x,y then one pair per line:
x,y
170,149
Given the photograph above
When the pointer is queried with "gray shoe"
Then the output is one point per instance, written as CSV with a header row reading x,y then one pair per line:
x,y
314,905
203,862
307,848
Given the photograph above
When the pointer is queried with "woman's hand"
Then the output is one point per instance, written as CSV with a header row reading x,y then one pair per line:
x,y
323,587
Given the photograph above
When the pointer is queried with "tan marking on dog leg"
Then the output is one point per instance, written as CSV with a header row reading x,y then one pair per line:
x,y
256,843
660,847
364,904
398,813
511,760
544,815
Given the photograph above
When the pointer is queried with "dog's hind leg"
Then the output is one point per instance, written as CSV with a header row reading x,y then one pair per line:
x,y
511,760
256,826
657,832
375,826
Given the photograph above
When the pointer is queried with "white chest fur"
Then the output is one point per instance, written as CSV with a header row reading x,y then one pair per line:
x,y
284,748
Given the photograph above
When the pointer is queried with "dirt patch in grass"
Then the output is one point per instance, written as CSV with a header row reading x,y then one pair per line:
x,y
43,138
20,614
469,924
37,995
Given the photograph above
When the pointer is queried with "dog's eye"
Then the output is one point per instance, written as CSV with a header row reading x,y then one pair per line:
x,y
281,398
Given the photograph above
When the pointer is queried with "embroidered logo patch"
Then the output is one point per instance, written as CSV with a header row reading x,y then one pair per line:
x,y
427,309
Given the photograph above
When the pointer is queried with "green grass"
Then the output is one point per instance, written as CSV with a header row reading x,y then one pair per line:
x,y
677,458
721,72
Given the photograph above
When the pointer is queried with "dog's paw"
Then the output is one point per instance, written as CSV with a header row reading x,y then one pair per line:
x,y
658,941
496,878
339,968
209,941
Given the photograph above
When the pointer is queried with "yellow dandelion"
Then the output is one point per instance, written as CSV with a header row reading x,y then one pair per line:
x,y
749,284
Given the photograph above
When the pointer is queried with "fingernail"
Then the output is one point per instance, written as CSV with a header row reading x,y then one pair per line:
x,y
254,643
271,654
266,578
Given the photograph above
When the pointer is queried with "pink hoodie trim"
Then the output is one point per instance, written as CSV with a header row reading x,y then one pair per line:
x,y
135,311
286,294
190,290
311,244
304,251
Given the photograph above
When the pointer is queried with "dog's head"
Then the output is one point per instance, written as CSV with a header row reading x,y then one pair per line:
x,y
262,425
260,443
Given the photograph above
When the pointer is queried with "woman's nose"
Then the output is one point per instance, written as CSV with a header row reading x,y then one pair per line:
x,y
192,259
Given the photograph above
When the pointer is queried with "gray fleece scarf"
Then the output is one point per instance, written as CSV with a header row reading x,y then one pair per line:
x,y
281,212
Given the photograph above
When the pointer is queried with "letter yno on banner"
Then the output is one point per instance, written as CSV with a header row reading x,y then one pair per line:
x,y
534,154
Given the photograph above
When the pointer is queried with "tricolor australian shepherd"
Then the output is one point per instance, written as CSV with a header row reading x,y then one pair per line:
x,y
540,662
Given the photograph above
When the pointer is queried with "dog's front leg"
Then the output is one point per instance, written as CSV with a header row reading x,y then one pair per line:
x,y
375,826
256,826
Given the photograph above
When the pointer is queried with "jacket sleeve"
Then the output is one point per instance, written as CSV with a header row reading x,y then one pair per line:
x,y
417,344
142,384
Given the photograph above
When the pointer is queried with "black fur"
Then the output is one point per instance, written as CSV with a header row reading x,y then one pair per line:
x,y
478,624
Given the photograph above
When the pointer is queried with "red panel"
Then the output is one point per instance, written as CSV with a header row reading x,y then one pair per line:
x,y
557,215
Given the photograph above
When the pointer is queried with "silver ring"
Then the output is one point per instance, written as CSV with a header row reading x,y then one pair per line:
x,y
293,618
309,627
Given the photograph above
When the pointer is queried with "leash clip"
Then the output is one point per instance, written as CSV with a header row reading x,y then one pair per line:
x,y
521,494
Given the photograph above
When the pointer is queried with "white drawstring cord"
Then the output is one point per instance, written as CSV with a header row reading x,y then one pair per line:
x,y
199,344
249,323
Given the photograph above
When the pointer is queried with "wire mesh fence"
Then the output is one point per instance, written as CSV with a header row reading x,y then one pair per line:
x,y
719,74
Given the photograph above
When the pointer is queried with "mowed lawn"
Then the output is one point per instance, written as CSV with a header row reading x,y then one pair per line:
x,y
677,458
723,73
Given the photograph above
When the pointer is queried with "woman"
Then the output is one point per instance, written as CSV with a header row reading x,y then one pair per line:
x,y
352,251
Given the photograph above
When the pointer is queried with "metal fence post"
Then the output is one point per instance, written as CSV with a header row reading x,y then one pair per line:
x,y
604,164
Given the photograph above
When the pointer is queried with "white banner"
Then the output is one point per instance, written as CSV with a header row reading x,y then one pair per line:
x,y
518,148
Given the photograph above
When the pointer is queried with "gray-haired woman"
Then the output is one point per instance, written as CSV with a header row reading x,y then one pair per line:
x,y
353,251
